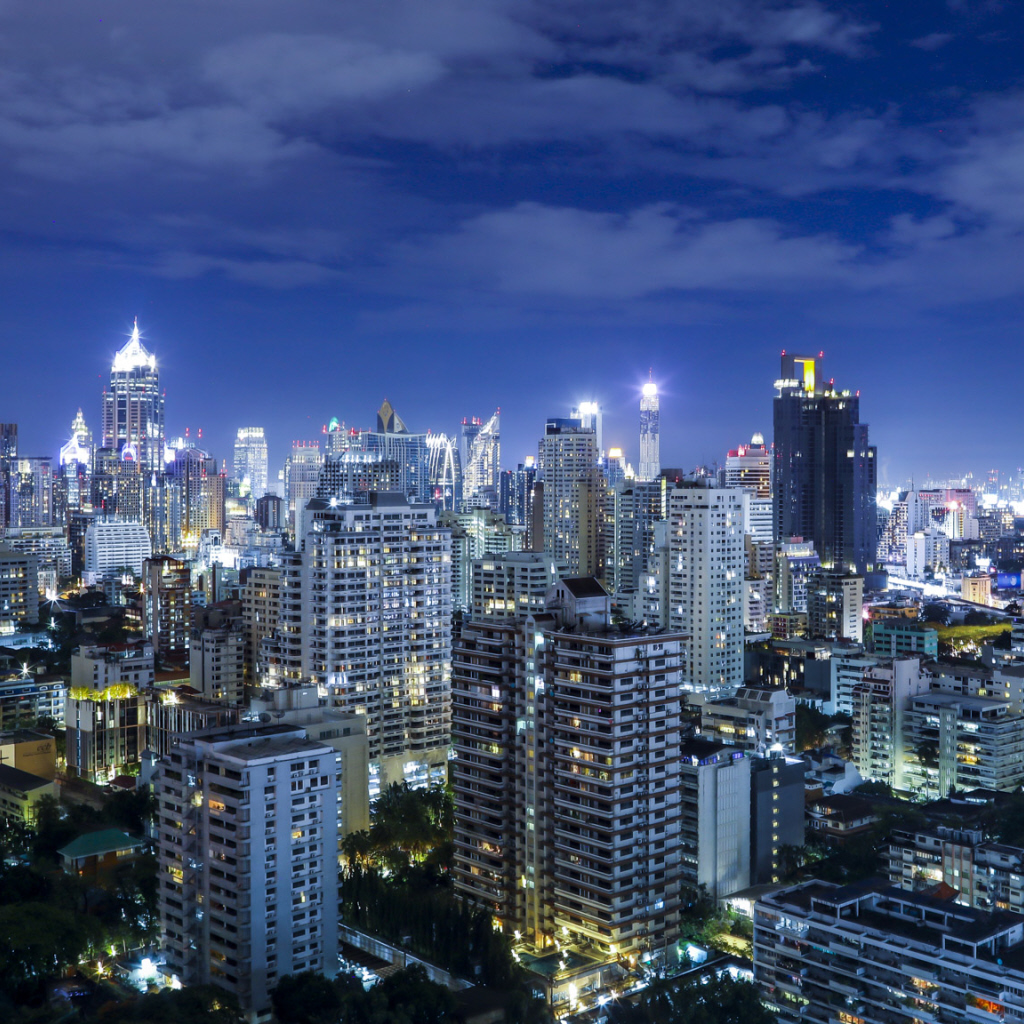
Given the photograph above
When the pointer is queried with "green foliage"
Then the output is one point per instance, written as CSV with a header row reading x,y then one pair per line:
x,y
57,825
37,941
418,906
406,997
718,1000
197,1004
1004,820
408,826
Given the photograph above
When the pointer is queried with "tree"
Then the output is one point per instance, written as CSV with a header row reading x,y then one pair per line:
x,y
714,1000
197,1004
307,998
38,941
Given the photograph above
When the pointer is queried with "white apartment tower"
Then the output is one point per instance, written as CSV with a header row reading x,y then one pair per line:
x,y
247,846
251,461
111,545
483,462
706,570
376,618
650,433
573,495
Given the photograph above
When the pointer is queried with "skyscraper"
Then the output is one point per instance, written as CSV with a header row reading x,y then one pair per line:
x,y
650,433
750,466
376,626
483,464
573,495
706,562
133,407
251,461
824,468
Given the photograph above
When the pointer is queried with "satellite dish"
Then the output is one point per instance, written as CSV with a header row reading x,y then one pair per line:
x,y
264,716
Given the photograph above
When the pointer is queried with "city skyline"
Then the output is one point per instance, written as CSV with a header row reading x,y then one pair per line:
x,y
519,207
620,432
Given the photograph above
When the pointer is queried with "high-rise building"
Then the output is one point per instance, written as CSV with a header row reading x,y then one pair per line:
x,y
511,585
650,433
19,587
567,776
706,562
835,606
376,627
750,466
133,407
167,606
261,607
75,471
112,545
591,417
201,487
302,477
251,462
8,453
30,481
247,846
824,468
444,472
482,467
573,495
217,652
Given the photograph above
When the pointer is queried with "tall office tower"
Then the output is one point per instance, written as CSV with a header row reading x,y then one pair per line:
x,y
31,488
167,606
133,407
482,467
750,466
650,433
202,493
251,462
8,453
270,512
517,492
302,478
376,620
444,472
706,560
567,775
73,486
824,468
892,548
247,846
573,496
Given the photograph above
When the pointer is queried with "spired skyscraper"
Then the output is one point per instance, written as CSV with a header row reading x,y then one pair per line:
x,y
824,468
133,408
650,433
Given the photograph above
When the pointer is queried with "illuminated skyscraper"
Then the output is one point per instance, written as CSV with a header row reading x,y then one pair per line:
x,y
573,495
824,468
650,433
750,466
133,407
75,470
482,465
251,461
591,417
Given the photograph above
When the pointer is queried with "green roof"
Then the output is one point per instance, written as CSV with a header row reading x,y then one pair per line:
x,y
94,844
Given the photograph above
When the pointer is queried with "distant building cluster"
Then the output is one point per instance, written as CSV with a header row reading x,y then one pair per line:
x,y
612,669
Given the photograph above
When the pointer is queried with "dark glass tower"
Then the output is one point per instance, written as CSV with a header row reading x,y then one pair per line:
x,y
824,468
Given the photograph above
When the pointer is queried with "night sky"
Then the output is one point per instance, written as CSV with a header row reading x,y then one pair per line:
x,y
466,204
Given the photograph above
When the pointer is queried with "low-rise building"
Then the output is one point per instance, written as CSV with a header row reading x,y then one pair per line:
x,y
96,852
874,954
757,718
20,793
898,638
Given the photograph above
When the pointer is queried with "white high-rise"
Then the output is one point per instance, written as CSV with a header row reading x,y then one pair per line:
x,y
251,461
483,463
376,627
650,433
706,569
111,545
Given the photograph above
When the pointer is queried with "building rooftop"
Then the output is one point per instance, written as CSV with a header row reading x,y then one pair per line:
x,y
16,779
95,844
584,586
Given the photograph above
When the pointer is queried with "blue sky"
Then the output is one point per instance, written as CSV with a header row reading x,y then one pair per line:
x,y
467,204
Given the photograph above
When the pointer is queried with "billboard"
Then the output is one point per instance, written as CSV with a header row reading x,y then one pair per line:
x,y
1008,580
